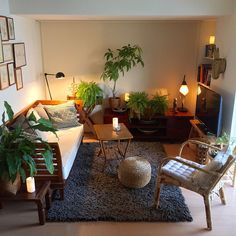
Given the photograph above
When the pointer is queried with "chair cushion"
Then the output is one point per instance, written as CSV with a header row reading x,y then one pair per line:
x,y
63,115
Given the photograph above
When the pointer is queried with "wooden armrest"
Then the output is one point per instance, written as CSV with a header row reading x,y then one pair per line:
x,y
199,143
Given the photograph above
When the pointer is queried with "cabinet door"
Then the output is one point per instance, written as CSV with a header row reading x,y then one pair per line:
x,y
178,128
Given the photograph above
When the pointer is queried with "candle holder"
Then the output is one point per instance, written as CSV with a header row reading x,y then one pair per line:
x,y
30,184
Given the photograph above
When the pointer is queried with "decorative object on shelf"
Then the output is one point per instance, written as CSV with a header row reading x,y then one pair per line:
x,y
11,73
183,91
30,184
4,82
11,30
120,109
7,52
3,28
210,48
17,148
119,61
126,97
1,49
175,105
19,54
59,75
218,67
19,79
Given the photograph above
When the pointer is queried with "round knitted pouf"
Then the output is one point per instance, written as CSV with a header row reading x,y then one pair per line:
x,y
134,172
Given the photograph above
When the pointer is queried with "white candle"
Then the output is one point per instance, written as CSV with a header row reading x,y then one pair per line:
x,y
30,184
115,122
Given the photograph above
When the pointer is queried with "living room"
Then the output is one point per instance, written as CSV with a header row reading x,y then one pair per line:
x,y
73,39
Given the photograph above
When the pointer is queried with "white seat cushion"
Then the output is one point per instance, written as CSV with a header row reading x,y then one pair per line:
x,y
69,142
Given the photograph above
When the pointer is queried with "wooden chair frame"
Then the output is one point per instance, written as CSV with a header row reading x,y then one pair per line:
x,y
163,178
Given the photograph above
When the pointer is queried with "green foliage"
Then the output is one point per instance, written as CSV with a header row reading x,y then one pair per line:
x,y
119,61
138,102
147,108
17,148
90,93
224,139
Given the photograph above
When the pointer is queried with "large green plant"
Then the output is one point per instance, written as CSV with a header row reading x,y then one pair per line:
x,y
90,93
17,148
146,108
119,61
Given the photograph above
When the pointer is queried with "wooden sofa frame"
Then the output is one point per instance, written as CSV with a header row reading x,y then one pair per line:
x,y
57,181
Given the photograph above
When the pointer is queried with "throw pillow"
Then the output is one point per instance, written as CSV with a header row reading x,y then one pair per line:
x,y
204,180
63,115
41,111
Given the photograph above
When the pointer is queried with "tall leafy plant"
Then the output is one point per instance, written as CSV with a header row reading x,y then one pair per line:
x,y
119,61
17,148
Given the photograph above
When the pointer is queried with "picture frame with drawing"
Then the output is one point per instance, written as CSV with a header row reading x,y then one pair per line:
x,y
19,79
11,73
3,28
1,50
7,52
11,29
4,82
19,54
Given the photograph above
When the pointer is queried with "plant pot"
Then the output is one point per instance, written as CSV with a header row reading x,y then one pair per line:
x,y
8,188
114,102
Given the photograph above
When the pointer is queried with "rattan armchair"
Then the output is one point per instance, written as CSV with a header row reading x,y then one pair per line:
x,y
202,179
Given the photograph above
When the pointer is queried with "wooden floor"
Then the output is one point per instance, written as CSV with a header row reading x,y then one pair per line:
x,y
21,219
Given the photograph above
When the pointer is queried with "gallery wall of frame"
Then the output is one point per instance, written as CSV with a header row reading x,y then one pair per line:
x,y
12,55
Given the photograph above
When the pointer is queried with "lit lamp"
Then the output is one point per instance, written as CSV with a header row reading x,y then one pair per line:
x,y
184,91
30,184
126,97
58,75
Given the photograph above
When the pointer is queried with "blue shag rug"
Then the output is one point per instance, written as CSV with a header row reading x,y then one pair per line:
x,y
92,194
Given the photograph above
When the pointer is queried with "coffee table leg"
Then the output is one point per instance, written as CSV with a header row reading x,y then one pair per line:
x,y
126,148
104,153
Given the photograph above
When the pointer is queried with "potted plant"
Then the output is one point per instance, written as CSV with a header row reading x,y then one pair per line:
x,y
146,108
91,95
117,62
17,148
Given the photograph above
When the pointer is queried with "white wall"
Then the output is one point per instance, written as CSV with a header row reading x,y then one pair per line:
x,y
27,31
226,84
169,52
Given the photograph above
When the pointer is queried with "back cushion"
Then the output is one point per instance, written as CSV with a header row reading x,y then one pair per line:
x,y
63,115
41,111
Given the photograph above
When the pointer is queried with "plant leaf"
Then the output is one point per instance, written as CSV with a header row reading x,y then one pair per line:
x,y
9,110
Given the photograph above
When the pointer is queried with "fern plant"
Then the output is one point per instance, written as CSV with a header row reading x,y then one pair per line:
x,y
119,61
17,148
90,93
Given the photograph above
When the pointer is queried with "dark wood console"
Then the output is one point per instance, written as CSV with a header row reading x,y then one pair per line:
x,y
173,127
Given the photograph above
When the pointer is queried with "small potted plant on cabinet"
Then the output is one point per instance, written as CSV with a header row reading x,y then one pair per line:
x,y
117,62
17,149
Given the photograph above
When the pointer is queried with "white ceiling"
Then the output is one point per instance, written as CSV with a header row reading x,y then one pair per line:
x,y
121,9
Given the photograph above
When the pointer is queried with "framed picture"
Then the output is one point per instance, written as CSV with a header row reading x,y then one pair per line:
x,y
19,54
1,50
7,52
11,29
3,28
19,80
4,82
11,73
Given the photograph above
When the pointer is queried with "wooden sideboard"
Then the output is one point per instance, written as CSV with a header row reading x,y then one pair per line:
x,y
172,127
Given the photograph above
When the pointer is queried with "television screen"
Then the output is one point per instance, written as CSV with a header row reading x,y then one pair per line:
x,y
209,109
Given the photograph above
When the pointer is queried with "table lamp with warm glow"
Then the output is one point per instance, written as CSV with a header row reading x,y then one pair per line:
x,y
183,91
58,75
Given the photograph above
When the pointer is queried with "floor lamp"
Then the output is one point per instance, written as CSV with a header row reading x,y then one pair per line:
x,y
183,91
58,75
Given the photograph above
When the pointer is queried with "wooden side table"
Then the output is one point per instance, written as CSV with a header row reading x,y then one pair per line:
x,y
41,196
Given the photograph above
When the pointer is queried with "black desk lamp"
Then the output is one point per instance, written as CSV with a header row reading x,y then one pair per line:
x,y
59,75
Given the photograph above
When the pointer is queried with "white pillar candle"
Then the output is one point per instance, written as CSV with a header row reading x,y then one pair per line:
x,y
30,184
115,123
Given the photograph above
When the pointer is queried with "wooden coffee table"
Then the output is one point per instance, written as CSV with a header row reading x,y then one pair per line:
x,y
105,132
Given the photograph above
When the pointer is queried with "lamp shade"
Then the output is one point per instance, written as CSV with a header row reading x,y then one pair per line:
x,y
184,87
212,39
60,75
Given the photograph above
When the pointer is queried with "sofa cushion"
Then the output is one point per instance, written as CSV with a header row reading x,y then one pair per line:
x,y
69,140
41,111
63,115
